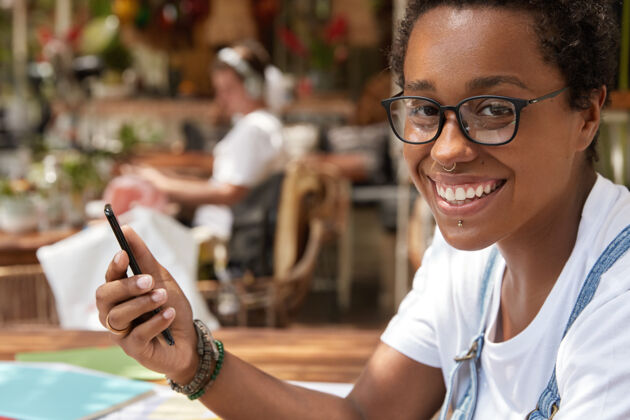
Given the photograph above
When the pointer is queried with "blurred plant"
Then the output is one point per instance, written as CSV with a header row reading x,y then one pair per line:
x,y
5,45
101,36
128,138
132,135
63,181
38,147
117,57
18,209
14,187
166,24
5,188
323,46
100,8
78,172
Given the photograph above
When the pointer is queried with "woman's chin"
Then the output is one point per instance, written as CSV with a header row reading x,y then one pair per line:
x,y
463,238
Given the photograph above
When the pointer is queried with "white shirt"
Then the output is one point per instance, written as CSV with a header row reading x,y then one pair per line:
x,y
439,317
252,151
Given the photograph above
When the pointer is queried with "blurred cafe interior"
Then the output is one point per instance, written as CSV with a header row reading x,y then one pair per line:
x,y
97,96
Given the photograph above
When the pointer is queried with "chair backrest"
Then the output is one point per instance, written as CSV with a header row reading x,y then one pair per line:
x,y
335,204
302,190
251,243
292,289
313,208
25,296
271,225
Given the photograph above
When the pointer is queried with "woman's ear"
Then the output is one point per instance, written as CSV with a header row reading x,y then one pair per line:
x,y
591,117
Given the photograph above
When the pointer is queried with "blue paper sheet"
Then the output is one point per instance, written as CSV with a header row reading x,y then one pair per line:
x,y
51,391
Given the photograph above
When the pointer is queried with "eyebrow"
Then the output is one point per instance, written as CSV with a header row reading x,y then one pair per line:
x,y
420,85
491,81
479,83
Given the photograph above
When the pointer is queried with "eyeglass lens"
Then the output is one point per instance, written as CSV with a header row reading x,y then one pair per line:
x,y
486,120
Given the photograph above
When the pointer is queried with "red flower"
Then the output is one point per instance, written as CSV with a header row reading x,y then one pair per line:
x,y
292,42
336,30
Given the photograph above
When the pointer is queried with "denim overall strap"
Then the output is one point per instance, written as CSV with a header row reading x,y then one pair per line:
x,y
465,408
549,401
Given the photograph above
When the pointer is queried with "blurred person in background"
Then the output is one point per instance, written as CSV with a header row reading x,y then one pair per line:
x,y
249,154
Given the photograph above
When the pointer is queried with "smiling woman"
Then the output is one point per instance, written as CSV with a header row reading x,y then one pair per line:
x,y
521,213
527,282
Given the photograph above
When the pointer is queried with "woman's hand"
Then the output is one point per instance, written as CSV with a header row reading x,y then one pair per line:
x,y
150,174
122,300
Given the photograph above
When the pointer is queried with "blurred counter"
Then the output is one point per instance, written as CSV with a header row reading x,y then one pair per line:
x,y
20,248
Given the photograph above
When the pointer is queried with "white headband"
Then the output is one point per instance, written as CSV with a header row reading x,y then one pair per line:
x,y
253,81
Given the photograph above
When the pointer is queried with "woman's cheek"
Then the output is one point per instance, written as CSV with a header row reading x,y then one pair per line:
x,y
413,156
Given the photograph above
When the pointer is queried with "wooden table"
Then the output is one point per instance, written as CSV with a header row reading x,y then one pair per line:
x,y
20,248
298,353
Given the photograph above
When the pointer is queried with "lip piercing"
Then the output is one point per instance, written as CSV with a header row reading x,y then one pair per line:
x,y
450,169
460,223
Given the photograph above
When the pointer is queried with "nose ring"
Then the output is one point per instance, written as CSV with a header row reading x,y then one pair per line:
x,y
451,169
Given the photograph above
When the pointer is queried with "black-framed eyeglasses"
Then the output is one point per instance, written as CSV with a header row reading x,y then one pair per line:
x,y
486,119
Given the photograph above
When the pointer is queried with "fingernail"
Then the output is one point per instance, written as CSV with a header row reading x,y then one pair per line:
x,y
117,257
143,282
158,295
169,313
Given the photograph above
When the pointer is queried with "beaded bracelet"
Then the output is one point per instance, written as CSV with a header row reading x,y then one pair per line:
x,y
208,352
215,373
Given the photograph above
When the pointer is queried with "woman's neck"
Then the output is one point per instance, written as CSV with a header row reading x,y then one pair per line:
x,y
251,106
536,255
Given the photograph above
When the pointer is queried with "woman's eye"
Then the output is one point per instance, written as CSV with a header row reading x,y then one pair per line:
x,y
424,111
495,110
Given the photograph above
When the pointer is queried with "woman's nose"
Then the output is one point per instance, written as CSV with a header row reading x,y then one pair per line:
x,y
452,146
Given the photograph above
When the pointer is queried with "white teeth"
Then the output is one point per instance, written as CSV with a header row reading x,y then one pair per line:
x,y
459,195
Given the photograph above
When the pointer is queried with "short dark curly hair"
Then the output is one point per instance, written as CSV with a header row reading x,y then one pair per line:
x,y
579,36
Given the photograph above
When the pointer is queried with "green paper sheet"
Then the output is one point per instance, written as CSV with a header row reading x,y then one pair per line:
x,y
105,359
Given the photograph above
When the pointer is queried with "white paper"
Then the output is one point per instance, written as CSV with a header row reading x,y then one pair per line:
x,y
76,266
173,406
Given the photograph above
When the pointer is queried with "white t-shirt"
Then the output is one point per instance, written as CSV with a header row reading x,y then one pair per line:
x,y
252,151
440,316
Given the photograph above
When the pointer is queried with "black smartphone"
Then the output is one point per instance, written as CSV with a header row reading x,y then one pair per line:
x,y
133,264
